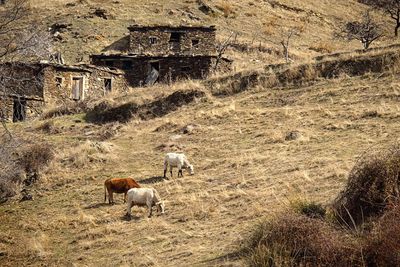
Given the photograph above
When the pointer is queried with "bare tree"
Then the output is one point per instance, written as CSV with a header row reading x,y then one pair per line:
x,y
285,42
222,47
390,7
366,31
21,38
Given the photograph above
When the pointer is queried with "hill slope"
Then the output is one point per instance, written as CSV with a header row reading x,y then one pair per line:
x,y
258,24
247,166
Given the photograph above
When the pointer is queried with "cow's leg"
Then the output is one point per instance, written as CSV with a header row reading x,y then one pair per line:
x,y
128,210
165,169
125,197
150,206
111,197
170,170
165,173
180,170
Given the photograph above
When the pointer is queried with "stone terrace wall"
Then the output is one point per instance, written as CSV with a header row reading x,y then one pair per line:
x,y
155,41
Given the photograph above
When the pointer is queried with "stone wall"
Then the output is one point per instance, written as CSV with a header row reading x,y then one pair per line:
x,y
170,68
33,107
58,83
158,41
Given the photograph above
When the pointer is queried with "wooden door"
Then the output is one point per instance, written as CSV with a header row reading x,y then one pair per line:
x,y
77,88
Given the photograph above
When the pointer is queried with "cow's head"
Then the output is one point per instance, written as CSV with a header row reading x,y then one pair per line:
x,y
160,207
191,169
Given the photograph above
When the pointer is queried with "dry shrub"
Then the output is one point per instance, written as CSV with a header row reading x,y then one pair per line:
x,y
322,47
49,128
383,246
11,174
67,108
20,163
297,240
86,153
372,186
308,208
33,159
36,156
226,8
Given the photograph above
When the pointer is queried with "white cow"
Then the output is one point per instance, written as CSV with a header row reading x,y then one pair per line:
x,y
144,197
177,160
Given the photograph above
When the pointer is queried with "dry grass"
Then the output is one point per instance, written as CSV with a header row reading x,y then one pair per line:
x,y
244,169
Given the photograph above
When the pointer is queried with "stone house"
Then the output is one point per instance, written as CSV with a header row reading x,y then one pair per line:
x,y
166,54
25,88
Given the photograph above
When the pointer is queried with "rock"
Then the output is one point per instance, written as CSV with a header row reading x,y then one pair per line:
x,y
102,13
189,129
26,197
206,9
293,135
60,27
175,137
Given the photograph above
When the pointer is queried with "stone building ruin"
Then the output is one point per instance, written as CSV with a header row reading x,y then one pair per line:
x,y
166,54
25,88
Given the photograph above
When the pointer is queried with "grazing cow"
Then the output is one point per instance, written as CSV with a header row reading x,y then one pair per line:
x,y
144,197
118,185
177,160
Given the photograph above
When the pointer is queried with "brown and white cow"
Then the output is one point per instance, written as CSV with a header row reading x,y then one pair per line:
x,y
118,185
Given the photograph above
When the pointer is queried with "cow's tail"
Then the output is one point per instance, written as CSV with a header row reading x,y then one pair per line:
x,y
105,193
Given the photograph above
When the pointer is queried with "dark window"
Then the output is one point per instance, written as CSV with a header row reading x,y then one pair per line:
x,y
109,63
127,65
175,37
186,69
59,81
153,40
107,84
195,42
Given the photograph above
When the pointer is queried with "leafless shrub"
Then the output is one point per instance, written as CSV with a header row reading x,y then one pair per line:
x,y
297,240
382,245
11,174
33,159
48,127
372,186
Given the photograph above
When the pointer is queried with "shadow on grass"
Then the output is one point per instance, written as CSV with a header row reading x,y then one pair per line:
x,y
232,256
153,180
97,205
131,218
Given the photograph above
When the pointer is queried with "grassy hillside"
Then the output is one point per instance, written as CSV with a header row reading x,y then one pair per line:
x,y
258,24
253,151
246,165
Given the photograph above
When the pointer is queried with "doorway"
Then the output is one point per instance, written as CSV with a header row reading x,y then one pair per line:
x,y
77,88
153,73
107,85
19,109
